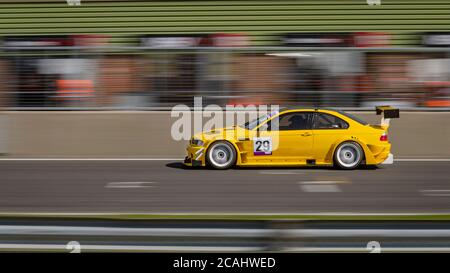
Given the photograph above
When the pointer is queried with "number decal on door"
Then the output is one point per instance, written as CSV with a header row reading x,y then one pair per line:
x,y
262,146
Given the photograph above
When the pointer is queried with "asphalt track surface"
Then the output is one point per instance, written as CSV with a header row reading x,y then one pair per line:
x,y
167,187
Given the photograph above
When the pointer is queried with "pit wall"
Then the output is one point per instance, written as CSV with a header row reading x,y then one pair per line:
x,y
148,134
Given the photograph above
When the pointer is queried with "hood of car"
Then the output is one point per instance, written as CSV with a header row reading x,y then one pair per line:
x,y
220,133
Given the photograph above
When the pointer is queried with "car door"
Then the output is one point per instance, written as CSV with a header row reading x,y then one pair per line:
x,y
327,129
286,138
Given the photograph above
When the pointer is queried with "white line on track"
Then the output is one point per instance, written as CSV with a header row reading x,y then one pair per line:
x,y
180,159
209,213
129,185
435,192
280,172
322,182
89,159
320,186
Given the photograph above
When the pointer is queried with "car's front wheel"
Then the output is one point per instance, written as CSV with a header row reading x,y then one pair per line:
x,y
221,155
348,155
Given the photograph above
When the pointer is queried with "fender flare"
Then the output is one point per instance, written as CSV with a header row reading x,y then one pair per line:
x,y
368,157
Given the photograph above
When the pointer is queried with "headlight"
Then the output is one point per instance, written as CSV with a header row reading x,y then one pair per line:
x,y
197,142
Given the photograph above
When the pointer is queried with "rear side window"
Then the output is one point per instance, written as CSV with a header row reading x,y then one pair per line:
x,y
327,121
355,118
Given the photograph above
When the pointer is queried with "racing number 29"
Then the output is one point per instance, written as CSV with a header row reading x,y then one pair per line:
x,y
265,145
262,146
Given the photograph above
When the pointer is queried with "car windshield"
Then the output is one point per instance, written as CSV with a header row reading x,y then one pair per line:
x,y
250,125
353,117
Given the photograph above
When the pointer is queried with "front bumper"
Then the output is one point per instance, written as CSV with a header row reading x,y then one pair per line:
x,y
195,156
192,163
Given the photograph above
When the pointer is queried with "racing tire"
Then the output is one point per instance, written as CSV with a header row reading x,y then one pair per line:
x,y
348,155
221,155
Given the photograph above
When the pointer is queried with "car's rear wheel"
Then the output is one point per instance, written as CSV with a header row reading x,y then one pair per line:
x,y
348,155
221,155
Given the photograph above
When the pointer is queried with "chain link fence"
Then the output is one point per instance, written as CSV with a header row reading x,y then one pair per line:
x,y
144,78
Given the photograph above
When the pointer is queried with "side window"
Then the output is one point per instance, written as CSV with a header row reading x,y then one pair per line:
x,y
327,121
291,121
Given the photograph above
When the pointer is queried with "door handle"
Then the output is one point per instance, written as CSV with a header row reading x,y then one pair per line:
x,y
306,134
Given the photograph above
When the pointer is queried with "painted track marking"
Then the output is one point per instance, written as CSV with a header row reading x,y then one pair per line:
x,y
180,159
130,185
323,182
321,186
91,159
435,193
280,172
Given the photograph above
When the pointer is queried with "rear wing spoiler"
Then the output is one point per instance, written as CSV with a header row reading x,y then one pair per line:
x,y
388,112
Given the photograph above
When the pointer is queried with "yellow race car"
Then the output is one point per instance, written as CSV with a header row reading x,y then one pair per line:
x,y
298,137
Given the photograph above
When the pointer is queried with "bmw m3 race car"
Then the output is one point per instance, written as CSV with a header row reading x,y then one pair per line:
x,y
298,137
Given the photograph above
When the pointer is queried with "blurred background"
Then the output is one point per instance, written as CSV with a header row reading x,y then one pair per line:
x,y
156,54
130,62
